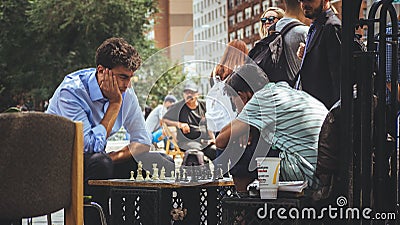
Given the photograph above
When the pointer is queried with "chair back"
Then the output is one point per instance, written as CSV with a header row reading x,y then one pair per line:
x,y
41,166
170,132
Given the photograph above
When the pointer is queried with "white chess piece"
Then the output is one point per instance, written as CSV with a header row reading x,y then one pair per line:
x,y
132,176
162,173
147,176
184,175
229,168
139,176
172,175
155,171
177,175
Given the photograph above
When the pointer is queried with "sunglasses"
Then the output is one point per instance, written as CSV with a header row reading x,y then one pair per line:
x,y
270,19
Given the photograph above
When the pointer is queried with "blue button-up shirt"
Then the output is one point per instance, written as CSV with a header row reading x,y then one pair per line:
x,y
79,98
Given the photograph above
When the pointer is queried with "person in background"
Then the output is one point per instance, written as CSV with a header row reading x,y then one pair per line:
x,y
293,38
102,99
270,16
337,7
389,64
153,121
188,116
146,112
320,70
289,122
219,107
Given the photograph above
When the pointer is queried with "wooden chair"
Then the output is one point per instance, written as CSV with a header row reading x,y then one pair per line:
x,y
41,167
170,132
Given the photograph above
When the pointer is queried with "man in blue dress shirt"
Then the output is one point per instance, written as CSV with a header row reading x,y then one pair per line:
x,y
102,99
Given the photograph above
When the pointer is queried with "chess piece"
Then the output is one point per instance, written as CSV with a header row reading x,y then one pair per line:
x,y
184,175
193,172
229,168
172,174
139,176
155,171
162,173
218,174
177,176
132,176
147,176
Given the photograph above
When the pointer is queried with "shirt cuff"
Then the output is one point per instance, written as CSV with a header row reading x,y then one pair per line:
x,y
100,134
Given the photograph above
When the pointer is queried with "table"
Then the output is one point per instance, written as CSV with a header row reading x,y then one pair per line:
x,y
155,202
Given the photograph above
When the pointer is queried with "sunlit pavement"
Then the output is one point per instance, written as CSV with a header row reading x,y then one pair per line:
x,y
57,218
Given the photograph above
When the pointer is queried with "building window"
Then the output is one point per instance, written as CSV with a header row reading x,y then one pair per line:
x,y
256,9
256,26
248,31
232,36
231,4
247,13
265,5
231,20
240,34
239,17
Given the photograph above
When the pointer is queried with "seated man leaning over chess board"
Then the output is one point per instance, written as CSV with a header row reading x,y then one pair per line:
x,y
288,121
102,99
188,116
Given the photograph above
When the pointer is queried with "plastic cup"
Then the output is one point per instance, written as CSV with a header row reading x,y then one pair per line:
x,y
268,176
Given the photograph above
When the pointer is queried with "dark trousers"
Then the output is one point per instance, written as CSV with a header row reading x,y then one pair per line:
x,y
99,166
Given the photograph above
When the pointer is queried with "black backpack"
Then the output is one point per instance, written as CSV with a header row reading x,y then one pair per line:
x,y
269,55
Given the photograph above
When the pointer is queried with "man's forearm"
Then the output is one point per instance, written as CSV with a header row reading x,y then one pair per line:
x,y
110,117
128,151
171,123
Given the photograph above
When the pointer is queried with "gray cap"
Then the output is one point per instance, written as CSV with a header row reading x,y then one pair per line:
x,y
170,98
190,86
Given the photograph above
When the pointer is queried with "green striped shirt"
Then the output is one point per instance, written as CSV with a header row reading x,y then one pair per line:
x,y
290,120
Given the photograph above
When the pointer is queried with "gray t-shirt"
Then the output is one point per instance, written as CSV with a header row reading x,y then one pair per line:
x,y
153,120
292,40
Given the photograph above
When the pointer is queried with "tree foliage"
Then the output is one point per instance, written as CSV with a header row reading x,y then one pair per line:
x,y
158,77
43,40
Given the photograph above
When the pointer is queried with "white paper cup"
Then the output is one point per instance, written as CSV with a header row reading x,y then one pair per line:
x,y
268,176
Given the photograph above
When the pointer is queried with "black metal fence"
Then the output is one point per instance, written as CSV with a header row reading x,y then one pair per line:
x,y
369,126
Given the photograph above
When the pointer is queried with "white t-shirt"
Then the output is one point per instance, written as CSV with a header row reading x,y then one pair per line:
x,y
153,120
219,107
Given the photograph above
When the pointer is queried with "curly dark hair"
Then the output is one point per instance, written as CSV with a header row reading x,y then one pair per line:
x,y
115,52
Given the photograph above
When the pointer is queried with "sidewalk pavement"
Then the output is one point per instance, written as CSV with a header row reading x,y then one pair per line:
x,y
57,218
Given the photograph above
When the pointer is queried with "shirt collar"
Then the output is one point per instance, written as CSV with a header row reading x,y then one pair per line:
x,y
94,88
